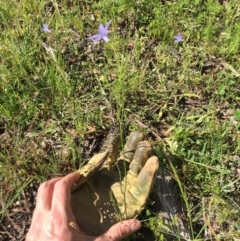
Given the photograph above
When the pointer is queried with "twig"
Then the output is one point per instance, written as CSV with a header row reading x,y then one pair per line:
x,y
140,124
3,207
210,228
203,208
6,232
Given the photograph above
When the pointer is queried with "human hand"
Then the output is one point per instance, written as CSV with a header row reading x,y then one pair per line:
x,y
53,218
109,189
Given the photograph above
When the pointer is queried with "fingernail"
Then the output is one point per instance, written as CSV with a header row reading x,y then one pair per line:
x,y
135,226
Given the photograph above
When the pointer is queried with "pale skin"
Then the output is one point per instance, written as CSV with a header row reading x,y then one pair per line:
x,y
53,214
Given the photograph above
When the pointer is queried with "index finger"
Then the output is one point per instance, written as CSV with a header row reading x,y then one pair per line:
x,y
45,192
62,189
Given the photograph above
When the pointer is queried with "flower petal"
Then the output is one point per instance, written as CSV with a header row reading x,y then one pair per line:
x,y
106,38
46,28
95,37
107,25
178,38
102,30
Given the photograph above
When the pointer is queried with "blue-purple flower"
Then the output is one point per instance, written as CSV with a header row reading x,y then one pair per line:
x,y
46,28
102,33
178,38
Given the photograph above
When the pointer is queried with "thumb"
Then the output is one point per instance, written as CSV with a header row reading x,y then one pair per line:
x,y
121,230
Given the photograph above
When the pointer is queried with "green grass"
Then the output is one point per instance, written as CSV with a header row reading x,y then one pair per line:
x,y
187,92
